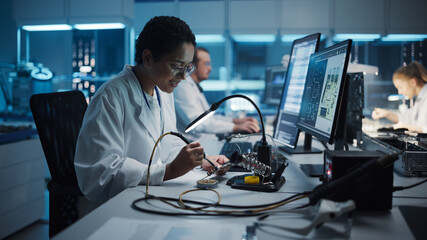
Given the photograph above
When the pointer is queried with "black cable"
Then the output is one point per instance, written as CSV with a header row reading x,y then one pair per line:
x,y
324,144
204,204
399,188
346,146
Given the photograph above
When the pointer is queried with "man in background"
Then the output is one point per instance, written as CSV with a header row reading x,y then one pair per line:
x,y
190,102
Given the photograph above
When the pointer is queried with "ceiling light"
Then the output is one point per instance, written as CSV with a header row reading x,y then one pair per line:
x,y
50,27
254,37
98,26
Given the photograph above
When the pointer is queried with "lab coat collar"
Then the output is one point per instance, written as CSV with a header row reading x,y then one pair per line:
x,y
423,92
143,112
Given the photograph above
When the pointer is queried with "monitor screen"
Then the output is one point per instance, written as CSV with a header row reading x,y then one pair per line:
x,y
286,131
274,78
321,100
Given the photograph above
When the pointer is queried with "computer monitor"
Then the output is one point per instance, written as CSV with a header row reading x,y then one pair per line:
x,y
274,79
285,131
324,94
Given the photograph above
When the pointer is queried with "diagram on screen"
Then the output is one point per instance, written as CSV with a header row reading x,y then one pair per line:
x,y
327,105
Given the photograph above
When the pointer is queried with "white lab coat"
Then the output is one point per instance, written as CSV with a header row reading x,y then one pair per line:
x,y
191,103
417,115
117,138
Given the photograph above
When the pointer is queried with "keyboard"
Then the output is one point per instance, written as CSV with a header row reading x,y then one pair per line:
x,y
241,147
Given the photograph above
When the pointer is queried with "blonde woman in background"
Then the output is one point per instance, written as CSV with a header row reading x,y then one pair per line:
x,y
410,81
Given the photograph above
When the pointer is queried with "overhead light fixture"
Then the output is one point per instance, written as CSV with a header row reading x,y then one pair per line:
x,y
48,27
356,37
99,26
210,38
404,37
266,38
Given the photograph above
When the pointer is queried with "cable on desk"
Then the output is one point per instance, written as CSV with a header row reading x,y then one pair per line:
x,y
183,205
202,211
324,144
399,188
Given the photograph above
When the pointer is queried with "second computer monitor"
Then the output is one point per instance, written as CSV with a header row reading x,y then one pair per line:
x,y
286,131
274,78
324,91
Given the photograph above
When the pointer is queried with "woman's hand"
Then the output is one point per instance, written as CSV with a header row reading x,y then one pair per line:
x,y
217,160
189,157
245,119
246,127
379,113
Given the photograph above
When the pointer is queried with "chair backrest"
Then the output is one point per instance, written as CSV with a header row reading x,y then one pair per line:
x,y
58,118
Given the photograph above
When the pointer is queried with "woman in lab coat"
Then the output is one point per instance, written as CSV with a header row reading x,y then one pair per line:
x,y
130,112
410,81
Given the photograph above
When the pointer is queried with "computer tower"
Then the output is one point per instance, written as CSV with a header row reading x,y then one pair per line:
x,y
354,106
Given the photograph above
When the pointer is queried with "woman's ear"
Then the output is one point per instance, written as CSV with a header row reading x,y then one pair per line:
x,y
147,57
413,82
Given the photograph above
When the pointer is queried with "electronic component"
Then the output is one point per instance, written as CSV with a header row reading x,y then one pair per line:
x,y
355,105
268,182
365,176
413,161
250,161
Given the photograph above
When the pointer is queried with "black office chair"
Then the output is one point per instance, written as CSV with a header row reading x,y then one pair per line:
x,y
58,118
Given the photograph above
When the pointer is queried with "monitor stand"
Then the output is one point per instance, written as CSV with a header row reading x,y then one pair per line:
x,y
305,149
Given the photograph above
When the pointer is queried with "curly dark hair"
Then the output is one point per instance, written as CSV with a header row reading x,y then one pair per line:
x,y
162,35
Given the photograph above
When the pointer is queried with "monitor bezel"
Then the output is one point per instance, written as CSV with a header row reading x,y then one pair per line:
x,y
314,36
323,136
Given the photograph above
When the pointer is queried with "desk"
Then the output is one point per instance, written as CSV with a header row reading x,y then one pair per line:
x,y
366,225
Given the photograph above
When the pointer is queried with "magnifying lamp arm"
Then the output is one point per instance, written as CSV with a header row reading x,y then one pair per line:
x,y
215,106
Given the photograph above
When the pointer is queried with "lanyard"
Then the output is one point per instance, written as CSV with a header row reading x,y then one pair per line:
x,y
143,92
158,98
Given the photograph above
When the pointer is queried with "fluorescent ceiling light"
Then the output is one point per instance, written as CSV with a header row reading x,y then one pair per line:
x,y
404,37
210,38
356,37
254,37
97,26
50,27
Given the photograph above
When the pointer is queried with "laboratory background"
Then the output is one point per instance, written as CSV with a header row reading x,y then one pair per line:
x,y
62,45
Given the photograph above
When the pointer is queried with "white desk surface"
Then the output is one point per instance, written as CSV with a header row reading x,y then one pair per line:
x,y
366,224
